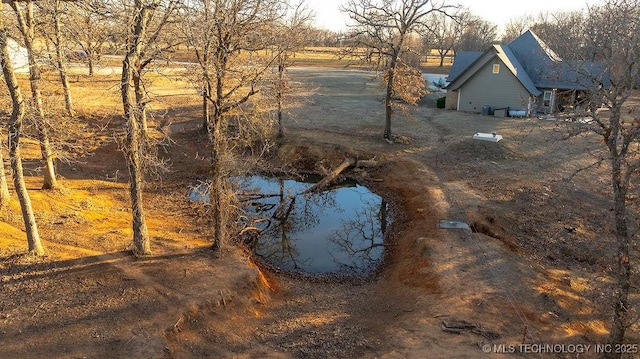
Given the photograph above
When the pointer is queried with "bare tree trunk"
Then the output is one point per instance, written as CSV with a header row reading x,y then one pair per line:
x,y
280,93
206,113
140,101
442,56
90,64
30,224
216,192
62,68
388,100
27,28
390,83
203,59
141,241
15,125
49,180
4,188
623,270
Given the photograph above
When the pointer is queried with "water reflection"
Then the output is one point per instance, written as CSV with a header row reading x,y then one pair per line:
x,y
340,230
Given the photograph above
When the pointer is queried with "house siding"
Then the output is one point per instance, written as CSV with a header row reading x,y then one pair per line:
x,y
506,90
452,100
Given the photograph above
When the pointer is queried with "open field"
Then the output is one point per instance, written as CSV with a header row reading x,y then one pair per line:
x,y
327,57
536,268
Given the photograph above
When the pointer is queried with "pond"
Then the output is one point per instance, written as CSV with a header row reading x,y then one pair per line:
x,y
337,231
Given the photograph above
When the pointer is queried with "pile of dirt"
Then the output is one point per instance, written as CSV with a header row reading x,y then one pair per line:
x,y
470,150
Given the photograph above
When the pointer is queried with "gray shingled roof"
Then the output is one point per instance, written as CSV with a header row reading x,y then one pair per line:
x,y
461,61
534,64
537,59
572,75
514,65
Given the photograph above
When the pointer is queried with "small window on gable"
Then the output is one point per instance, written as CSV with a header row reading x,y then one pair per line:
x,y
496,68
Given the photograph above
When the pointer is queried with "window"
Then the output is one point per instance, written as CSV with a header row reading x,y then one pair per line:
x,y
546,99
496,68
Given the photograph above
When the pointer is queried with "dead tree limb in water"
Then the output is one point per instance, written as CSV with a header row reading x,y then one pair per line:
x,y
348,162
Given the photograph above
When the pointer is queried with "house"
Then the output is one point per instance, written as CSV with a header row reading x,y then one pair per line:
x,y
524,77
18,56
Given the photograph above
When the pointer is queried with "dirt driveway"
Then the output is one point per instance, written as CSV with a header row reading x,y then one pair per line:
x,y
533,271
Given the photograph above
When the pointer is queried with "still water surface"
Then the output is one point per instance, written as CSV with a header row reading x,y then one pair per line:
x,y
337,231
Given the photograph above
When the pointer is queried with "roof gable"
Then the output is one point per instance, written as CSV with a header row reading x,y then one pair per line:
x,y
537,59
530,44
505,55
532,62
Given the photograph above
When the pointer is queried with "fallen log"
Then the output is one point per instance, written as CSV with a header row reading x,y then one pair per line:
x,y
348,162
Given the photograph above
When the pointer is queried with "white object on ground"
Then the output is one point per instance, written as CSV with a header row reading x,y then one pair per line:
x,y
491,137
454,225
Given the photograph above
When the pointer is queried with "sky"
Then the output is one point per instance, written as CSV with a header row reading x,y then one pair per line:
x,y
329,16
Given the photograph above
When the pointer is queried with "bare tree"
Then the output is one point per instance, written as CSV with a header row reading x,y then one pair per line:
x,y
24,11
515,27
620,20
152,43
15,128
323,37
198,27
226,36
564,30
477,36
596,33
615,119
90,26
445,32
133,142
385,26
142,49
291,35
53,11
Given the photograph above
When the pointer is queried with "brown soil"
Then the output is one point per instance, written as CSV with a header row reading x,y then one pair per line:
x,y
535,269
